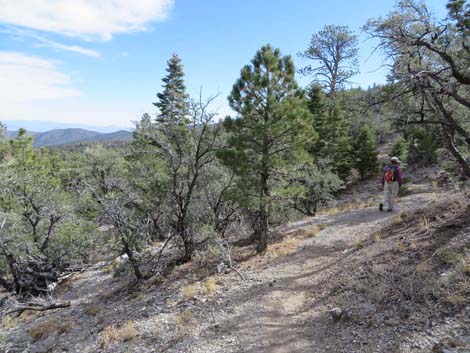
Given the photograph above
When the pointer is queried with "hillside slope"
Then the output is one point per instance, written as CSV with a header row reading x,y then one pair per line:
x,y
62,136
58,137
400,279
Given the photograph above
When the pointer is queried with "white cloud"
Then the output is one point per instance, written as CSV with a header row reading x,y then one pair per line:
x,y
16,32
72,48
89,19
29,78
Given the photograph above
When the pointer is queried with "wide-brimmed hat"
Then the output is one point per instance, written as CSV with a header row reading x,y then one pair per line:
x,y
395,159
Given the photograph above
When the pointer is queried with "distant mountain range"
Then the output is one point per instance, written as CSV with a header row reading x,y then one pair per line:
x,y
43,126
58,137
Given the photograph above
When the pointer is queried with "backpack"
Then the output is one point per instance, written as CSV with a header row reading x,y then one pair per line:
x,y
390,174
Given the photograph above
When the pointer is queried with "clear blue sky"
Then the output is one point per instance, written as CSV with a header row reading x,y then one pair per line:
x,y
102,64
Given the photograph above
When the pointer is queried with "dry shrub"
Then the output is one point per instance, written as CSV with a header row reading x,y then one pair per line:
x,y
399,284
127,332
43,329
455,284
189,291
450,257
108,335
209,286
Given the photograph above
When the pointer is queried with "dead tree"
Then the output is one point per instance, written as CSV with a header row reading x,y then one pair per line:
x,y
429,64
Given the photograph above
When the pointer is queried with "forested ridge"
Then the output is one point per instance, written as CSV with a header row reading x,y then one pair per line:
x,y
191,191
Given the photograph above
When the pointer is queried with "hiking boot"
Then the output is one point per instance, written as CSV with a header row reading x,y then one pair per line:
x,y
381,207
390,210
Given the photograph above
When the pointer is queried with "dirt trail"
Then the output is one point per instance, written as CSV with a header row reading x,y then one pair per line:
x,y
280,308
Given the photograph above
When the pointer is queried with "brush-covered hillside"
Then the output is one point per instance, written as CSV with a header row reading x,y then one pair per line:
x,y
58,137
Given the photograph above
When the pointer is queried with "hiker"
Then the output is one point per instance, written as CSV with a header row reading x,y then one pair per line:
x,y
391,182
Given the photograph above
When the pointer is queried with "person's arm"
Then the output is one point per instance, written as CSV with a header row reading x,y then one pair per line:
x,y
383,176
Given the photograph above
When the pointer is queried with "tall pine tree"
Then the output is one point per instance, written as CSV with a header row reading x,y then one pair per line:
x,y
365,152
272,130
173,100
334,142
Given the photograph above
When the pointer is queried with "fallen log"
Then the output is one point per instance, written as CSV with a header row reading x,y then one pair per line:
x,y
38,307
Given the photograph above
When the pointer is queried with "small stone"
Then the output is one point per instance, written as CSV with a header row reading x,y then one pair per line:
x,y
338,314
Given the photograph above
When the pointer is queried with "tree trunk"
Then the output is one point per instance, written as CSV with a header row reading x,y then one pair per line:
x,y
263,214
263,229
188,248
465,165
188,242
132,260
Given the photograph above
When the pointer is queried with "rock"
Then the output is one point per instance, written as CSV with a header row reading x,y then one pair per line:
x,y
221,268
338,314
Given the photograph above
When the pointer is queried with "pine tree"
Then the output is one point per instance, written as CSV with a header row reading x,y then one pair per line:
x,y
365,152
334,51
317,105
272,130
338,147
173,100
334,142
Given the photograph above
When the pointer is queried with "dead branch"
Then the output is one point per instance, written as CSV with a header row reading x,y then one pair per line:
x,y
38,307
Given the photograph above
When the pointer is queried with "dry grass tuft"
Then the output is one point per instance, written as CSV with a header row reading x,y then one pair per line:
x,y
209,286
314,230
378,236
424,267
106,296
189,291
9,322
108,335
331,211
424,223
285,247
93,310
184,320
43,330
137,296
457,299
112,334
359,244
64,327
127,332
